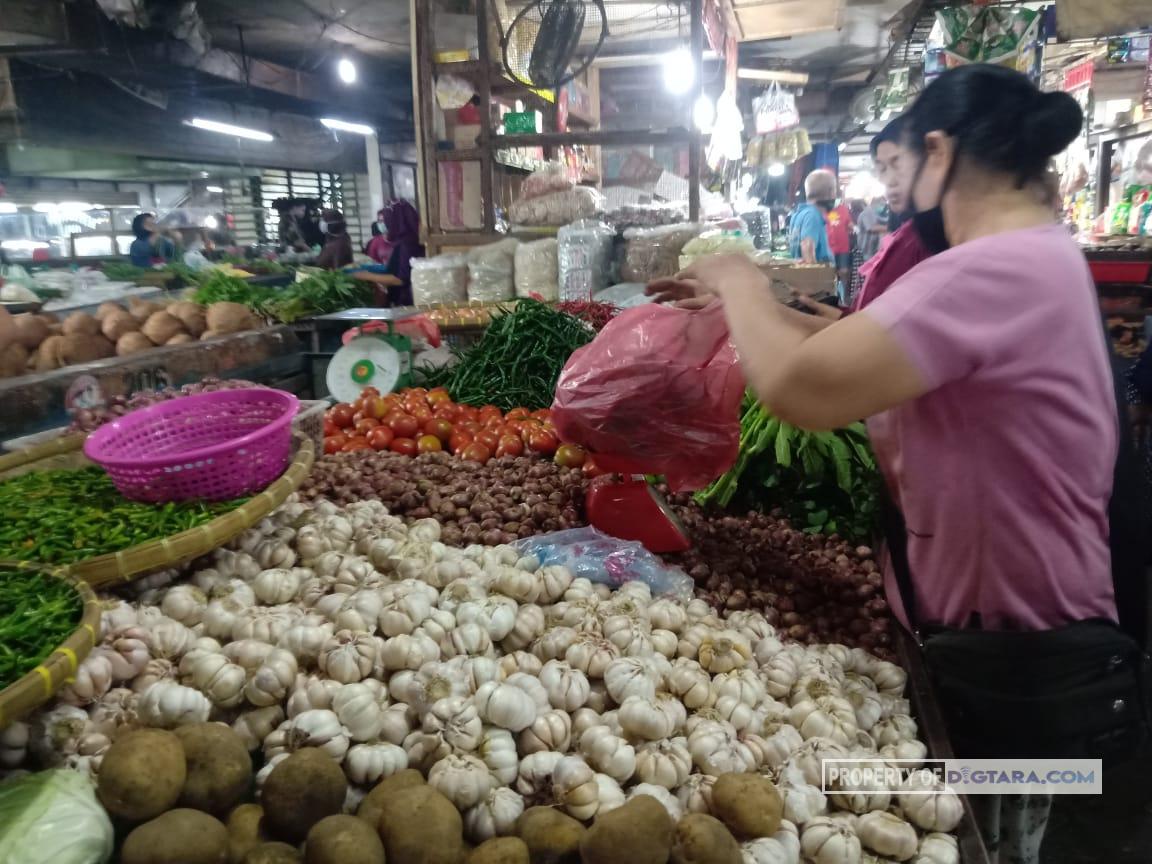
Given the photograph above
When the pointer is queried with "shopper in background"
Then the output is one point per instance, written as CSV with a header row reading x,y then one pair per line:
x,y
985,378
337,251
807,229
290,231
379,248
870,227
403,227
840,224
150,246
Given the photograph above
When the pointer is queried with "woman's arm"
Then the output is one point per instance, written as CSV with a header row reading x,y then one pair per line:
x,y
821,379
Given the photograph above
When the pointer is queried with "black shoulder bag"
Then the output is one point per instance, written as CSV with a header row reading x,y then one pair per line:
x,y
1078,691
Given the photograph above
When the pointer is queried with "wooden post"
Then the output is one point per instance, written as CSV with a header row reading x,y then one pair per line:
x,y
425,122
695,138
484,91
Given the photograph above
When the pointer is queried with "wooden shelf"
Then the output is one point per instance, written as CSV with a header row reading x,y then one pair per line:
x,y
610,138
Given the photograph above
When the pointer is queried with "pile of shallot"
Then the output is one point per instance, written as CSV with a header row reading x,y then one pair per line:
x,y
505,683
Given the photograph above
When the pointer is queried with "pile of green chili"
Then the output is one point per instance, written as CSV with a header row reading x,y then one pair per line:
x,y
57,517
518,361
37,613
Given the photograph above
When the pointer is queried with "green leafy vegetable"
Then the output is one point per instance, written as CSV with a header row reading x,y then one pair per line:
x,y
53,816
37,613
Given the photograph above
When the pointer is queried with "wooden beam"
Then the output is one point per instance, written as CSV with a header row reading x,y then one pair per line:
x,y
604,138
484,92
780,76
695,139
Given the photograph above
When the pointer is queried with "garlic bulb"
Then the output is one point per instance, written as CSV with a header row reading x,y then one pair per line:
x,y
155,670
717,750
652,720
496,614
505,705
608,753
894,729
457,721
368,764
14,740
553,643
940,811
909,754
254,726
469,639
630,676
168,705
463,779
184,603
359,711
567,688
494,816
127,651
937,848
664,763
689,681
667,614
830,717
92,680
218,679
273,678
347,657
724,651
551,730
695,795
498,751
887,834
169,639
591,655
395,723
823,841
534,778
319,728
115,711
408,652
575,788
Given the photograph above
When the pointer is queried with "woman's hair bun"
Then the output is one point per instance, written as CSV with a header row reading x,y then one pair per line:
x,y
1052,124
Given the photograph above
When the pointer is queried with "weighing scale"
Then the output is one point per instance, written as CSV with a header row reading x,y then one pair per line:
x,y
377,356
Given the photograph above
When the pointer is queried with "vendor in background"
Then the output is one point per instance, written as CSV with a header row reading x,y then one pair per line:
x,y
290,231
870,227
150,246
337,251
403,231
808,228
840,223
985,378
379,248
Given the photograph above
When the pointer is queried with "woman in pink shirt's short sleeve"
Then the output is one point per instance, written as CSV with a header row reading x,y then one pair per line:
x,y
985,378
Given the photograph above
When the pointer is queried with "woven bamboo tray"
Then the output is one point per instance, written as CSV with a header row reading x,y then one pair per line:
x,y
122,566
38,686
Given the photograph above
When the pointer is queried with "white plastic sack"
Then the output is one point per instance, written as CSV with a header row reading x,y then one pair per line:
x,y
442,279
536,270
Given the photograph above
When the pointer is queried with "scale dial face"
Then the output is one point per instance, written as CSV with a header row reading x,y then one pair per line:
x,y
365,361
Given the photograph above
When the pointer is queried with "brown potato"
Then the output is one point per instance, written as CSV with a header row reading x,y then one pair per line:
x,y
300,791
179,836
552,837
421,826
702,839
500,850
639,832
245,831
219,767
748,804
272,853
373,802
343,839
142,774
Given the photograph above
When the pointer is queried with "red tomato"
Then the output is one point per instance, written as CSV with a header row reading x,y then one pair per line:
x,y
591,469
476,452
543,442
517,414
369,391
375,407
488,412
509,445
467,412
418,392
514,427
330,428
356,442
439,396
489,438
570,455
439,427
362,426
333,443
404,425
543,414
470,426
492,422
357,417
341,414
422,413
380,437
446,411
528,428
428,444
403,445
458,441
391,403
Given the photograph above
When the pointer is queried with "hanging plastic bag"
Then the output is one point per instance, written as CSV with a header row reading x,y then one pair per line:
x,y
775,110
606,560
657,392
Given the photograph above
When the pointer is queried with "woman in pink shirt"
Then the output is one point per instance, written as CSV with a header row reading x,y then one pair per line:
x,y
985,378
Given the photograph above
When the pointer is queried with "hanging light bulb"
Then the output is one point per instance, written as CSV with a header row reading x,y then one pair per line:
x,y
679,71
776,169
346,69
704,113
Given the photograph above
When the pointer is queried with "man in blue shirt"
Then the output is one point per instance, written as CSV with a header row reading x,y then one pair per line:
x,y
150,246
808,231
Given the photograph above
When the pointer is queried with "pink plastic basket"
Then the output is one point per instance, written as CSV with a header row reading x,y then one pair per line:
x,y
211,446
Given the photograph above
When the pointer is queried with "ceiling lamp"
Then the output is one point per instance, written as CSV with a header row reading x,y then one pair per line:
x,y
704,113
229,129
214,190
344,126
346,69
776,169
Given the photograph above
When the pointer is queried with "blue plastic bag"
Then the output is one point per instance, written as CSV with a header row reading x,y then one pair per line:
x,y
601,558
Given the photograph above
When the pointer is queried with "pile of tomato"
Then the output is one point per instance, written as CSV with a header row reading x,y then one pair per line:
x,y
416,420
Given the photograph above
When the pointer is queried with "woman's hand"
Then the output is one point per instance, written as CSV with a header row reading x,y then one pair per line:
x,y
705,280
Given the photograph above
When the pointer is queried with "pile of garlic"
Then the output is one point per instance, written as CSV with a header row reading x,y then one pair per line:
x,y
507,684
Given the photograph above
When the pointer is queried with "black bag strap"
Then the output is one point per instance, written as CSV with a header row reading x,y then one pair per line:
x,y
896,540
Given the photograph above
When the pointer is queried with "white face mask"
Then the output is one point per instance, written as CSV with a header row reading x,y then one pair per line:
x,y
323,226
381,228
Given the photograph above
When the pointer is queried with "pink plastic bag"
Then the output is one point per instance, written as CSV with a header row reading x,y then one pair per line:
x,y
657,392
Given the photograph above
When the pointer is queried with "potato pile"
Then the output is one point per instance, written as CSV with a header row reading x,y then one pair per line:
x,y
42,342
